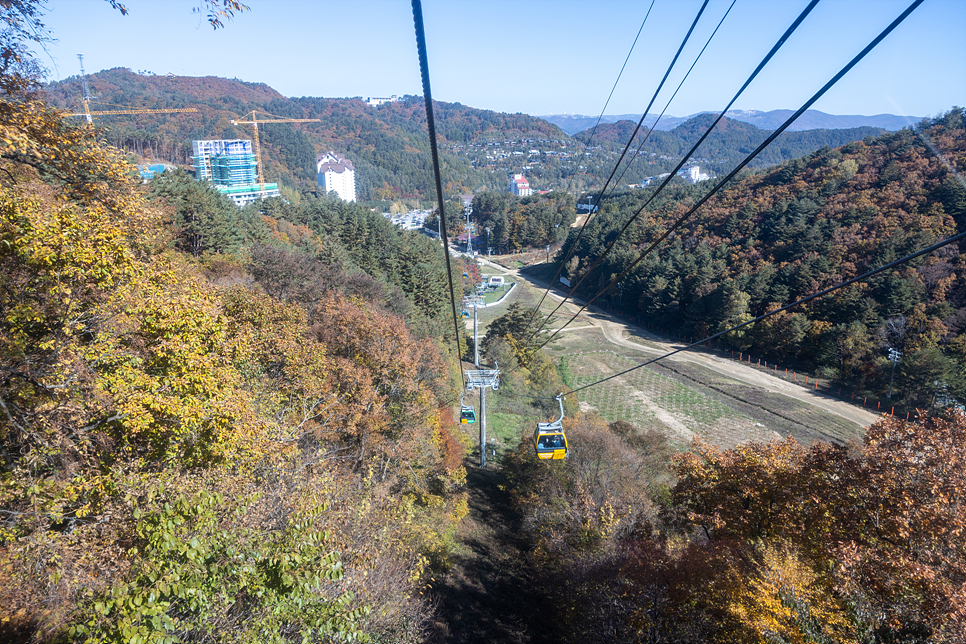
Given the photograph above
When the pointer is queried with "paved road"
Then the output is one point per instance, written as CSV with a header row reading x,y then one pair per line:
x,y
617,332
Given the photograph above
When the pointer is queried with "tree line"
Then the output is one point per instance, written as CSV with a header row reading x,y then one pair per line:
x,y
760,543
387,143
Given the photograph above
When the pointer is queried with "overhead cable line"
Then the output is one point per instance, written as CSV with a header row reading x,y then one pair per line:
x,y
735,171
626,147
506,393
680,85
636,154
619,74
600,116
593,132
864,276
781,41
431,123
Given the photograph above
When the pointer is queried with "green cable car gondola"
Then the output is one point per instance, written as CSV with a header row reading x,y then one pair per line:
x,y
549,439
467,415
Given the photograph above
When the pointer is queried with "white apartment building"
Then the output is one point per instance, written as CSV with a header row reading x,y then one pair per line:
x,y
379,101
520,186
693,174
336,173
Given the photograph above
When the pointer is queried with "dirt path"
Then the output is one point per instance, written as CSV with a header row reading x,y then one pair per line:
x,y
616,332
486,596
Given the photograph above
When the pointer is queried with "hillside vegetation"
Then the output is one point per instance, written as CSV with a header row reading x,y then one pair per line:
x,y
387,143
237,425
217,424
804,226
729,143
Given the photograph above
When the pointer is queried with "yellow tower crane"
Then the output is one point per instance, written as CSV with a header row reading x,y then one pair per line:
x,y
88,113
87,103
254,122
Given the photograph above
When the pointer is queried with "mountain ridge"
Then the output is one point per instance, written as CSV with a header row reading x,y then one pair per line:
x,y
387,143
766,120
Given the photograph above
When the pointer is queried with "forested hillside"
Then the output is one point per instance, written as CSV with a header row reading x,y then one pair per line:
x,y
386,143
729,143
758,544
809,120
780,235
218,424
237,425
516,223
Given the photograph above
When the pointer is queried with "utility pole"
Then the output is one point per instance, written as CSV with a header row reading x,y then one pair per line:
x,y
894,355
483,427
469,230
476,342
476,362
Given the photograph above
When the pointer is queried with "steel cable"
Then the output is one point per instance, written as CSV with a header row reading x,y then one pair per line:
x,y
431,123
735,171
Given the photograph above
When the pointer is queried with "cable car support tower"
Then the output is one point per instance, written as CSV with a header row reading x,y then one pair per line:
x,y
480,378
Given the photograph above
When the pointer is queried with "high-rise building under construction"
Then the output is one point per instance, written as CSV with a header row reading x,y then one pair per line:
x,y
230,166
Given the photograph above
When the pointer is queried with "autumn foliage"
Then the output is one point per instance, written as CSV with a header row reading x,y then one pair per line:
x,y
788,232
776,542
188,455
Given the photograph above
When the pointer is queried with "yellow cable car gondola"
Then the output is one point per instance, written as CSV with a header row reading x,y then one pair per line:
x,y
549,440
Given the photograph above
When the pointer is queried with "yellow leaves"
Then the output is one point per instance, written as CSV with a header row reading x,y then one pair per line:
x,y
33,135
161,360
67,244
786,600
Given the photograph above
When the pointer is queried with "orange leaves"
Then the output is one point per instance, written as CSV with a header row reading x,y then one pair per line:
x,y
747,492
908,519
882,527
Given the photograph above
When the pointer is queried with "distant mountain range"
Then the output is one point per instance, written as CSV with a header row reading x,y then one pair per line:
x,y
810,120
389,147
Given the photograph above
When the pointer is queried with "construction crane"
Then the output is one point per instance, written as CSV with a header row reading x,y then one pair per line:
x,y
273,119
90,115
87,92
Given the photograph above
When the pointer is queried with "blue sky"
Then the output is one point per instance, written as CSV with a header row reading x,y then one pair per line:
x,y
538,56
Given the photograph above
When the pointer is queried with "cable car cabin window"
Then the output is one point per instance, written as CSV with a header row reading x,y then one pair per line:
x,y
551,442
551,446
